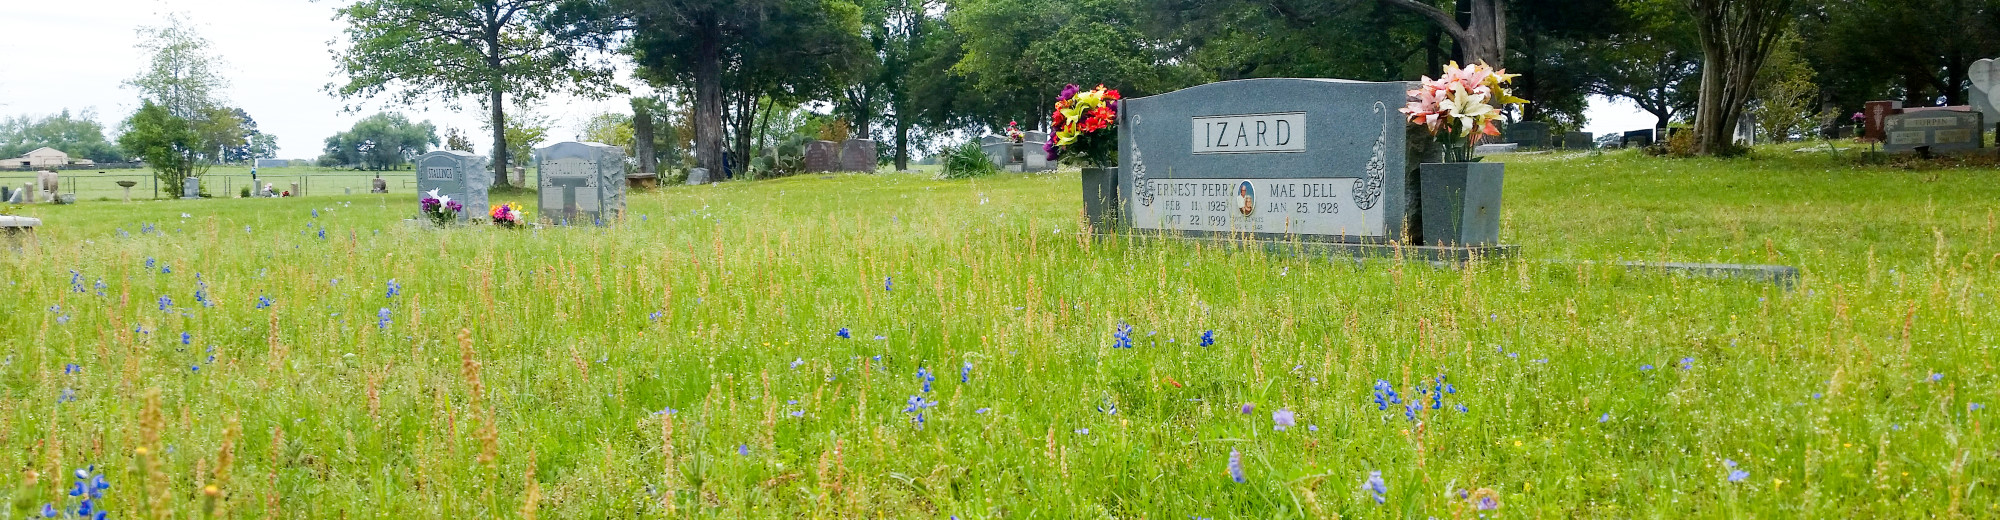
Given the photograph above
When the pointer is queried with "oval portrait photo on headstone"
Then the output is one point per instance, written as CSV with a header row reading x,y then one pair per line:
x,y
1246,199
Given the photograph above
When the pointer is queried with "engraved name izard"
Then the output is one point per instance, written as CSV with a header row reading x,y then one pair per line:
x,y
1250,133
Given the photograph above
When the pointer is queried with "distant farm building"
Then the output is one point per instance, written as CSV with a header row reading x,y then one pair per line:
x,y
43,157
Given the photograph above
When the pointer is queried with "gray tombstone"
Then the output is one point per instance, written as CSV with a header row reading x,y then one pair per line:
x,y
461,175
1746,130
697,176
48,182
1579,141
378,186
858,155
1314,159
1037,137
1637,139
1034,158
1528,134
1935,131
822,156
520,176
581,182
1985,93
997,153
191,188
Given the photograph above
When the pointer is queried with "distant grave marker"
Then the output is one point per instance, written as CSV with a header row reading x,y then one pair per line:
x,y
191,188
822,156
1579,141
858,155
581,182
1528,134
463,176
1937,131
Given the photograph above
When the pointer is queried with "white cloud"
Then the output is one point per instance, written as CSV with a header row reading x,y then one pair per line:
x,y
278,63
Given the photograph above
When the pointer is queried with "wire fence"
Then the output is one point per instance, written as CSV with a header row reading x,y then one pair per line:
x,y
104,185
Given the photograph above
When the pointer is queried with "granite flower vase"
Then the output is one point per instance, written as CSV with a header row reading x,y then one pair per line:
x,y
1460,203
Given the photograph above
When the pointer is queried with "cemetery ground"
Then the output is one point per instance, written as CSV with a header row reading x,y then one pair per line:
x,y
896,346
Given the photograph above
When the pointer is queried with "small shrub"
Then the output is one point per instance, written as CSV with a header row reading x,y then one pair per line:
x,y
966,161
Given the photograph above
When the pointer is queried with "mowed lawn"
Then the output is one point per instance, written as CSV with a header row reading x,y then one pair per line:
x,y
900,347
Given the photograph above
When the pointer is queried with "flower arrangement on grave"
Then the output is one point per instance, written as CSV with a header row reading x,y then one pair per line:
x,y
440,209
1085,124
1460,106
1014,132
508,215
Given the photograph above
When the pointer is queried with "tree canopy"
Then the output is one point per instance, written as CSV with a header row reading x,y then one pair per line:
x,y
380,142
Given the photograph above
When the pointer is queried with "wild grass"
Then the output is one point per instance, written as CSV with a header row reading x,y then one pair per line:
x,y
686,361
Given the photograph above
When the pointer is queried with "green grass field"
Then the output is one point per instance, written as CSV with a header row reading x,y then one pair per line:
x,y
686,363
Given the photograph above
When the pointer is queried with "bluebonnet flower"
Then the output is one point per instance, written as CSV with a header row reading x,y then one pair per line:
x,y
1082,431
68,394
1935,377
264,302
1283,419
924,375
49,511
1248,408
1109,407
879,337
1236,466
1687,363
666,411
186,338
165,302
798,413
1385,395
1974,407
965,373
916,405
1461,408
55,308
889,284
194,368
798,361
1410,411
71,368
1207,338
743,449
844,334
100,286
1604,418
1123,335
1645,367
1735,475
1375,485
315,213
166,269
394,288
322,233
1438,388
75,281
1816,395
149,260
382,319
982,410
655,316
1312,427
201,294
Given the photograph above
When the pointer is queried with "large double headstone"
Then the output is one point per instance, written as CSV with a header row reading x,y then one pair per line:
x,y
1935,130
581,183
463,176
1320,160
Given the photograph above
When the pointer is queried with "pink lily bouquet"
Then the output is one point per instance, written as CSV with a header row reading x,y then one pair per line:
x,y
1462,105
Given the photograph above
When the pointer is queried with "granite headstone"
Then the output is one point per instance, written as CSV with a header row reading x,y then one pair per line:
x,y
1936,131
1637,139
1528,134
191,188
463,176
1579,141
1317,159
48,181
378,186
581,182
858,155
1875,115
822,156
1985,93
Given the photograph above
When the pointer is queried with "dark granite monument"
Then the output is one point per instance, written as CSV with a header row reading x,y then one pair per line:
x,y
822,156
858,155
1934,131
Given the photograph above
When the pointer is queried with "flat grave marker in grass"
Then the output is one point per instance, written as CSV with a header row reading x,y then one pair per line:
x,y
460,175
581,182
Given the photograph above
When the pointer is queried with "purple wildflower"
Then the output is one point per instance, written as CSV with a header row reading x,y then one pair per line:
x,y
1236,466
1283,419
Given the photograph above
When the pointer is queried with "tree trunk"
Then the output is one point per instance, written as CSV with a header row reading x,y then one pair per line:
x,y
499,118
708,97
902,142
642,138
1736,37
1481,37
